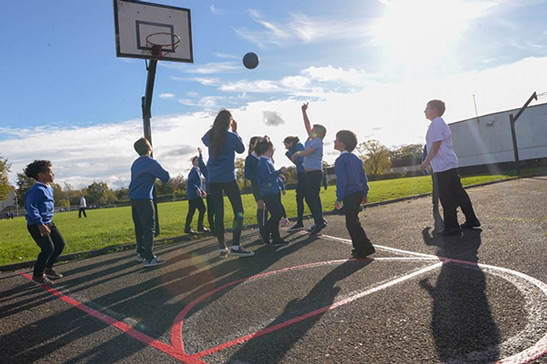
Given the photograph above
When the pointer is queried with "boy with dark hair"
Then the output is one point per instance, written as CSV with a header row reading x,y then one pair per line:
x,y
312,163
444,162
144,172
39,205
352,190
268,182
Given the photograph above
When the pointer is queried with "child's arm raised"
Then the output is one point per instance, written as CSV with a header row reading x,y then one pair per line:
x,y
307,123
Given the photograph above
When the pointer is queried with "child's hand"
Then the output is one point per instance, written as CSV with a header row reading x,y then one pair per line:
x,y
337,205
233,124
203,194
284,192
199,150
283,178
305,107
44,230
364,201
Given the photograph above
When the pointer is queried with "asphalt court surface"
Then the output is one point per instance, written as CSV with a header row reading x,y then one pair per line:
x,y
476,298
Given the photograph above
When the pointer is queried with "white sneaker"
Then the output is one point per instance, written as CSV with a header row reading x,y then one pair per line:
x,y
153,262
242,252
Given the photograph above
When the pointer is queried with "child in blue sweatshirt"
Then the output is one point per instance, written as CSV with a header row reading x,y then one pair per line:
x,y
293,145
195,195
39,205
144,172
268,178
351,190
251,165
209,198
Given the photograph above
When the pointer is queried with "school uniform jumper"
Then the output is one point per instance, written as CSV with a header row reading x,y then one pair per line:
x,y
269,189
144,172
194,192
209,198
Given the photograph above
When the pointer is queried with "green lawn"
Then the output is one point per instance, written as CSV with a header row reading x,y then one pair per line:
x,y
113,226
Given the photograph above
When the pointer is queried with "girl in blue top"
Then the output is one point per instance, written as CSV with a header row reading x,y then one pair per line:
x,y
39,205
223,145
251,165
195,195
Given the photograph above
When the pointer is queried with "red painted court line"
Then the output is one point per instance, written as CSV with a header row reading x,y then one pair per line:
x,y
145,339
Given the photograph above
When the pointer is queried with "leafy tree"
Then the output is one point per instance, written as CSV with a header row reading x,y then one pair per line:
x,y
98,193
407,155
240,173
375,155
23,183
4,181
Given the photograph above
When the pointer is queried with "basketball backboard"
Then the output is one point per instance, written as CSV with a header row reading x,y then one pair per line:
x,y
141,25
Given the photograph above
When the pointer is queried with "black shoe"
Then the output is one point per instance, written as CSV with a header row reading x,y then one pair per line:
x,y
280,243
450,231
203,230
361,254
190,231
296,227
317,229
471,224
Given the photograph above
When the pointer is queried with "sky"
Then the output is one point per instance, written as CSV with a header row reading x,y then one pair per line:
x,y
369,66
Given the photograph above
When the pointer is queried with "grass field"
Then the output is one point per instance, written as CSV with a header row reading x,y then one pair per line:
x,y
113,226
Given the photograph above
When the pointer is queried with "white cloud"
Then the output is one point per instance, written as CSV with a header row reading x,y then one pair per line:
x,y
166,95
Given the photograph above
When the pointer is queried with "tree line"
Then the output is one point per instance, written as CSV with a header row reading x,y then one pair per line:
x,y
377,159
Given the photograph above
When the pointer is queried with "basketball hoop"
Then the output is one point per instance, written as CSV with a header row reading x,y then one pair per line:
x,y
162,43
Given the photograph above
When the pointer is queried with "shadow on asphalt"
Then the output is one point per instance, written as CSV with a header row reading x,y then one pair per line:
x,y
462,322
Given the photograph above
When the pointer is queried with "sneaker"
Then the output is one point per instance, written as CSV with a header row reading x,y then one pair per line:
x,y
317,229
310,228
41,281
140,258
51,274
363,254
242,252
203,230
280,243
471,224
296,227
223,254
190,231
153,262
284,222
264,238
450,231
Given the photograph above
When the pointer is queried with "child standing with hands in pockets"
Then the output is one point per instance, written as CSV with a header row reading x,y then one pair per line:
x,y
351,190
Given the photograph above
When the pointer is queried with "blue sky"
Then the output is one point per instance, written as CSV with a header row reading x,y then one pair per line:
x,y
369,66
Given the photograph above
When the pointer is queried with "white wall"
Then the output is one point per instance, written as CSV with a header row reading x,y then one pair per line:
x,y
487,139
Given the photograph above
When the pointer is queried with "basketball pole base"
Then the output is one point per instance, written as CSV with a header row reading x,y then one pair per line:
x,y
146,103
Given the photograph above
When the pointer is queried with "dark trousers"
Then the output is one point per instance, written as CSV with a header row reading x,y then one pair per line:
x,y
211,213
361,243
313,187
300,195
51,246
275,207
231,190
144,218
452,195
283,212
193,204
80,211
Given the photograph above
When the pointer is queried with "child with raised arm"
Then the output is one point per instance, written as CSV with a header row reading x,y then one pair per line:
x,y
312,163
209,198
251,165
39,205
351,190
223,145
195,195
269,188
444,162
293,145
144,172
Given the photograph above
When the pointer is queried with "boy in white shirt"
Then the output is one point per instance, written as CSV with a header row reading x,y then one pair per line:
x,y
444,162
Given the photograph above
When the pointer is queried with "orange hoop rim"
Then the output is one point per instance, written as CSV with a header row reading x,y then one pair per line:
x,y
163,52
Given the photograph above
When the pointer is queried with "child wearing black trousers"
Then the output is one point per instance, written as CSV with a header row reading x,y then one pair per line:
x,y
351,190
269,189
39,205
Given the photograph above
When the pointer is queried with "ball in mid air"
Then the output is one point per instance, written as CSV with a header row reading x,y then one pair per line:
x,y
250,60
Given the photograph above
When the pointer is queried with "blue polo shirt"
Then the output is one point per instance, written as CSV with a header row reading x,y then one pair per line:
x,y
144,172
298,147
313,161
350,175
39,204
267,176
222,167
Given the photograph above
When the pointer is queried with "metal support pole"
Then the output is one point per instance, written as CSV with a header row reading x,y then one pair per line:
x,y
146,103
512,121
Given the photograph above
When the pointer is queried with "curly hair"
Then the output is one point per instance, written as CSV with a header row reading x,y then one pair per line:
x,y
38,166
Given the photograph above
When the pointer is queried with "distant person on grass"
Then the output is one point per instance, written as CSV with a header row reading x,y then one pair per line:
x,y
223,145
39,205
195,195
83,206
293,145
269,190
210,205
444,162
144,172
312,163
352,191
